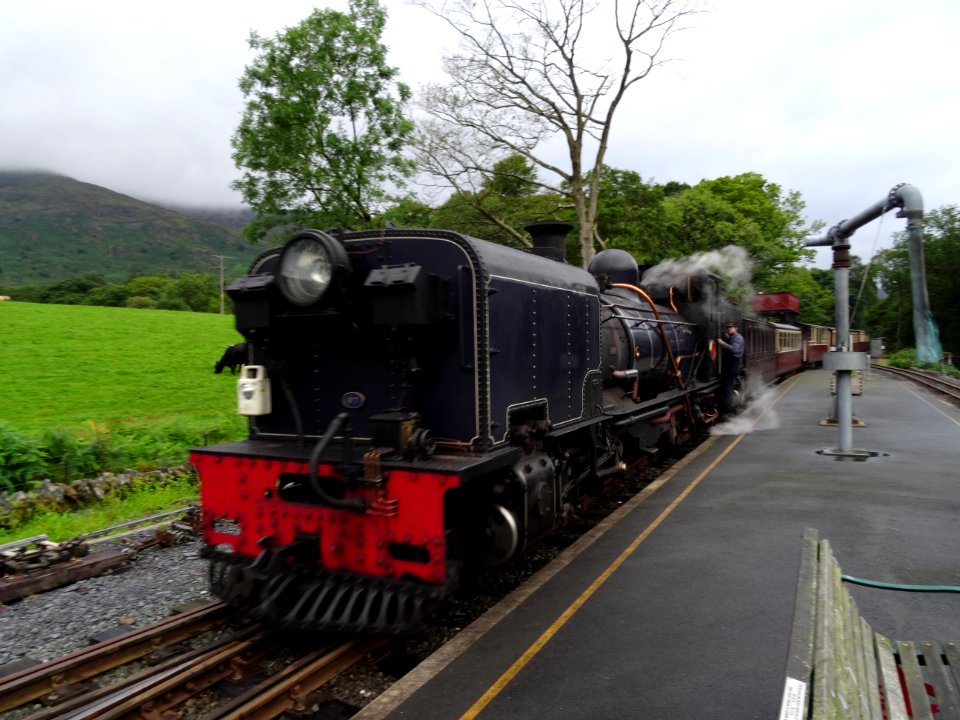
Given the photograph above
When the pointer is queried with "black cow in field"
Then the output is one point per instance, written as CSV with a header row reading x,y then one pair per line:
x,y
233,357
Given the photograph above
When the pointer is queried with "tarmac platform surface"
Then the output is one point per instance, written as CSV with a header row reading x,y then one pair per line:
x,y
680,605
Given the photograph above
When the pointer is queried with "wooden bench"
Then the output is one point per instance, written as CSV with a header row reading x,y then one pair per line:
x,y
838,667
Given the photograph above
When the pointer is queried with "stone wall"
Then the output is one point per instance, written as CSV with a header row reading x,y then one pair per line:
x,y
19,506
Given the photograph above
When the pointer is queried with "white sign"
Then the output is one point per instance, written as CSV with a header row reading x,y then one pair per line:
x,y
794,697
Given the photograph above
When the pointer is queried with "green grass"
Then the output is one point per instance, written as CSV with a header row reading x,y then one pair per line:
x,y
87,389
77,367
113,510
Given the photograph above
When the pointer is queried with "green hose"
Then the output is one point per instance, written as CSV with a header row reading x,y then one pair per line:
x,y
900,586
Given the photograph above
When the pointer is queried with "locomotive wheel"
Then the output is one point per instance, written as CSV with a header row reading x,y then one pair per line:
x,y
495,536
231,583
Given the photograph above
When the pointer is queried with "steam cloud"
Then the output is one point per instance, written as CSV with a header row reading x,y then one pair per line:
x,y
732,263
757,414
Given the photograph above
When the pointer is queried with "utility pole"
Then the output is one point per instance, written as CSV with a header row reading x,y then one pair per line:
x,y
221,258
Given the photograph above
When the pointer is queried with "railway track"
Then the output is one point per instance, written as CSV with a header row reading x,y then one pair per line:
x,y
934,382
163,671
171,667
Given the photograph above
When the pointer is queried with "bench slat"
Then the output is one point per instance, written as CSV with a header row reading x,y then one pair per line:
x,y
913,679
795,702
873,710
953,657
889,679
860,662
944,686
824,661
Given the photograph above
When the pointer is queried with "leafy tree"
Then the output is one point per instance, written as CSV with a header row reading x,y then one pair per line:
x,y
745,211
816,299
199,292
513,176
114,295
525,76
892,317
407,212
941,250
142,302
631,214
503,202
863,294
323,129
151,286
863,291
776,217
70,291
22,293
497,218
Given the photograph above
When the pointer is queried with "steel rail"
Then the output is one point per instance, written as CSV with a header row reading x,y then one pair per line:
x,y
155,692
48,678
945,387
288,689
87,699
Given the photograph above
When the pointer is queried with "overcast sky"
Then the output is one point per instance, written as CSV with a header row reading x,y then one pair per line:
x,y
839,100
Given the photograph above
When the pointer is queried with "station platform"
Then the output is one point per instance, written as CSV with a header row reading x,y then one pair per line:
x,y
680,604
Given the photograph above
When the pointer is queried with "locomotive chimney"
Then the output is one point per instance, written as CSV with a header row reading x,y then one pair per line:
x,y
550,239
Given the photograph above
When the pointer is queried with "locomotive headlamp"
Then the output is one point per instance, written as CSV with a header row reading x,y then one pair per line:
x,y
309,265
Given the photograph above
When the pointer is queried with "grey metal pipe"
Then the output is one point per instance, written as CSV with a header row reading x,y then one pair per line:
x,y
903,196
841,285
925,330
908,199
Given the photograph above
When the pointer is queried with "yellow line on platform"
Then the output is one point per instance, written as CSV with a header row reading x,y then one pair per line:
x,y
567,614
527,656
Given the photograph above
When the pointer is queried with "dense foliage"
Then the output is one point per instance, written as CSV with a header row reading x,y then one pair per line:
x,y
323,130
197,292
892,315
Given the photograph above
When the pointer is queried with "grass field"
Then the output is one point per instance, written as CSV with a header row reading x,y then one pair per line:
x,y
68,365
109,388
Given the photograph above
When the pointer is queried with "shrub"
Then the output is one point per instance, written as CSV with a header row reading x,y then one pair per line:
x,y
906,358
21,461
65,456
141,301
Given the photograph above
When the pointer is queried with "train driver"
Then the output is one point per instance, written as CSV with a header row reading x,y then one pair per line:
x,y
730,366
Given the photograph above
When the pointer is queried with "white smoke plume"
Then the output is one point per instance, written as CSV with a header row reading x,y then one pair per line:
x,y
732,263
758,412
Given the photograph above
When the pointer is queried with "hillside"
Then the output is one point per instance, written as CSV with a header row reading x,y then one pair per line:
x,y
52,227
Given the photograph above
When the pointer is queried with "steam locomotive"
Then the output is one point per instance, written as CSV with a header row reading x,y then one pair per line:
x,y
420,399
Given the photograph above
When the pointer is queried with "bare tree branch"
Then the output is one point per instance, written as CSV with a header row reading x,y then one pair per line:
x,y
534,70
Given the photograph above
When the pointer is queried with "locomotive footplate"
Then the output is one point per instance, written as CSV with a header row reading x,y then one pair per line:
x,y
290,596
466,465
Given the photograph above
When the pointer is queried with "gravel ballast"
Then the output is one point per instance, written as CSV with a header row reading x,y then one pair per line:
x,y
51,624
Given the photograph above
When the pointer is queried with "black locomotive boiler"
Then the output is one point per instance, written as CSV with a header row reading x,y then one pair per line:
x,y
419,399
